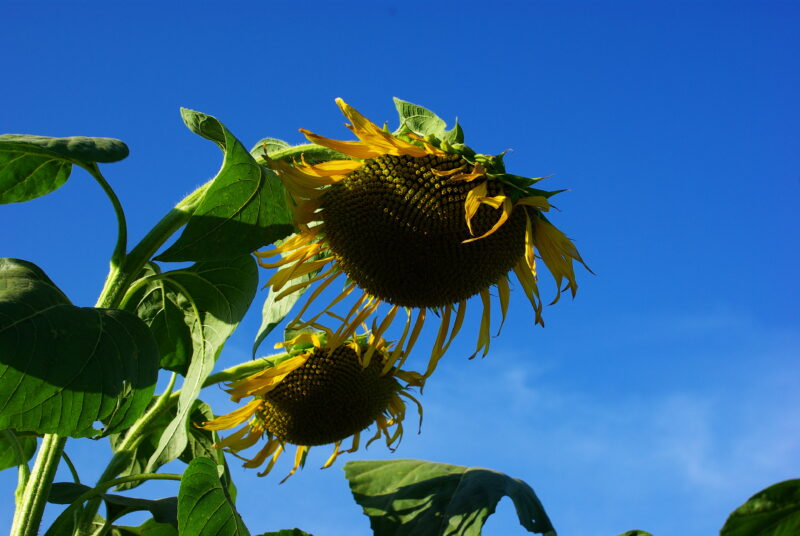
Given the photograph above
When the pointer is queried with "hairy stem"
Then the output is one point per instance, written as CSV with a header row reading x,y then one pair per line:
x,y
28,515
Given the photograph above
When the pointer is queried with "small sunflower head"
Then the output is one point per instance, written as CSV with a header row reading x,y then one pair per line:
x,y
316,394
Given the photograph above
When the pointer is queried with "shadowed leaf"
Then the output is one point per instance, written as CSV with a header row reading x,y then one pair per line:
x,y
32,166
419,498
62,368
774,511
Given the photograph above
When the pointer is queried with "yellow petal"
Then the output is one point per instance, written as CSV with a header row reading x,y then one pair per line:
x,y
234,418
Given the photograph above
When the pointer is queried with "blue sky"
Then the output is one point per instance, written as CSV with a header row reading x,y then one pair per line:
x,y
662,397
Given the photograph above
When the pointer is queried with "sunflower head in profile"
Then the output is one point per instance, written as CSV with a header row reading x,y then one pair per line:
x,y
317,394
419,221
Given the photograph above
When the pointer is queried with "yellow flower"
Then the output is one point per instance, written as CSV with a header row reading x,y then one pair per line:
x,y
318,394
419,223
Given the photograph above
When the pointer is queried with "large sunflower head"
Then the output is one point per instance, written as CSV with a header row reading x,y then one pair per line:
x,y
318,394
417,219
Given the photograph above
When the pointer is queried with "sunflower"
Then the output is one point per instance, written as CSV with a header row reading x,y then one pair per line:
x,y
419,221
318,394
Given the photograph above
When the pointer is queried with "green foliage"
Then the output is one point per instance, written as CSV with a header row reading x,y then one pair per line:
x,y
62,368
244,209
214,297
33,166
415,497
148,528
774,511
192,311
15,450
162,510
421,121
204,507
198,442
635,533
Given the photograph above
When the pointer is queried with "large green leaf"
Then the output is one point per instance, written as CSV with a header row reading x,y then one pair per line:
x,y
32,166
204,507
62,368
244,208
419,498
213,296
774,511
14,449
635,533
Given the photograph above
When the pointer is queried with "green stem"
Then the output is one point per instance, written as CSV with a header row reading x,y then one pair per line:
x,y
28,515
75,477
120,279
134,435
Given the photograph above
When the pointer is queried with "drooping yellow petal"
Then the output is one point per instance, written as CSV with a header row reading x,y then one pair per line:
x,y
377,333
333,456
267,450
505,295
483,334
266,380
234,418
528,282
477,171
557,252
275,455
336,169
299,460
356,149
507,208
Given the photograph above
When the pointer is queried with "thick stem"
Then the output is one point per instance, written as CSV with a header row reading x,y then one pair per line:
x,y
28,515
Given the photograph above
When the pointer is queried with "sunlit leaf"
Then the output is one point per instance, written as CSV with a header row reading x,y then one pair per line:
x,y
774,511
204,507
63,368
214,296
244,209
419,498
418,119
32,166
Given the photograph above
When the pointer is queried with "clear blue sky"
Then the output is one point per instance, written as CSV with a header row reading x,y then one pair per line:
x,y
662,397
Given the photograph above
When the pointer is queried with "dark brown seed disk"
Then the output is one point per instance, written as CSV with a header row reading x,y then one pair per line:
x,y
396,229
328,399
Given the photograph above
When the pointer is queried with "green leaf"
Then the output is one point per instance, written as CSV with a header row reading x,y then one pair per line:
x,y
14,449
774,511
62,368
268,146
214,297
418,119
198,442
454,135
32,166
162,510
148,528
287,532
636,533
415,497
204,507
244,209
